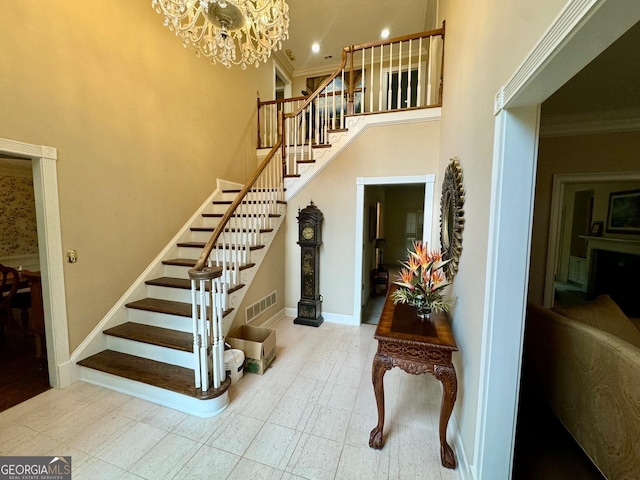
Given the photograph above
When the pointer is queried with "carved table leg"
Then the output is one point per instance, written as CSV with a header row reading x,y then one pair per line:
x,y
380,366
447,376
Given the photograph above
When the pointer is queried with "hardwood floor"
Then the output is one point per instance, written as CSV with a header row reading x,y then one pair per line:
x,y
22,375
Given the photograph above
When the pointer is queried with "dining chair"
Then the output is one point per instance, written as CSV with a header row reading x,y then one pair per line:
x,y
9,283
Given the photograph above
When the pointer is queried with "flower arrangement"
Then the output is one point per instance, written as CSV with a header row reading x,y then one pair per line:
x,y
422,280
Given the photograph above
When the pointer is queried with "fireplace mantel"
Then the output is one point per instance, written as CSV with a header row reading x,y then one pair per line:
x,y
622,245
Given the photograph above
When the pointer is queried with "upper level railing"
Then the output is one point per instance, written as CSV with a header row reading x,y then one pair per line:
x,y
227,251
395,74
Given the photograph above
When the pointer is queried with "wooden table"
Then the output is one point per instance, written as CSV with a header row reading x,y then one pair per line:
x,y
416,347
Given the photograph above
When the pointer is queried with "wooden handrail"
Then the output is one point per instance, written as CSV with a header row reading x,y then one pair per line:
x,y
404,38
322,86
353,48
195,272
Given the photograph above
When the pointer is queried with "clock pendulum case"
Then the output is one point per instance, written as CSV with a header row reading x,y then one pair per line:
x,y
310,239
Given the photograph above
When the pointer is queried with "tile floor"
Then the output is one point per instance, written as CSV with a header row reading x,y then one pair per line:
x,y
308,417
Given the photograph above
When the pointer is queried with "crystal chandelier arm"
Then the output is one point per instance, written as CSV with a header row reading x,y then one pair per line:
x,y
202,24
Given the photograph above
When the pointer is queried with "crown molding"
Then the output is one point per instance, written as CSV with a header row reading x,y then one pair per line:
x,y
626,120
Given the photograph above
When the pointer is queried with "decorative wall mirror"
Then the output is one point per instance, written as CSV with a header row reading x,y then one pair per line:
x,y
452,217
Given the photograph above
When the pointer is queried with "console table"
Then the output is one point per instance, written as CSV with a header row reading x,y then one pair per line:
x,y
416,347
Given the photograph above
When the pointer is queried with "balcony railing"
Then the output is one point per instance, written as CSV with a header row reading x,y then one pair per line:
x,y
397,74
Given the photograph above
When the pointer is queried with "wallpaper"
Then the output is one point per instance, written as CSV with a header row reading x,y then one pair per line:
x,y
18,230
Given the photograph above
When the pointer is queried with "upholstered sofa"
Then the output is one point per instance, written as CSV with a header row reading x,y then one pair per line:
x,y
584,361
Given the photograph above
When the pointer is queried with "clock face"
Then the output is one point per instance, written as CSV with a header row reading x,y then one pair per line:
x,y
308,232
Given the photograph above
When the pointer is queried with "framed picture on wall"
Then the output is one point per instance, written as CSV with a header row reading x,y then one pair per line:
x,y
624,212
596,229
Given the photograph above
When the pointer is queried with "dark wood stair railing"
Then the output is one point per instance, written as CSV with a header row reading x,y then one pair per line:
x,y
413,63
214,274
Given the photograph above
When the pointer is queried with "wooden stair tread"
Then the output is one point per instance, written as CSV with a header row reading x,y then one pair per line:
x,y
162,375
202,244
183,283
158,305
181,262
211,229
220,215
163,337
321,145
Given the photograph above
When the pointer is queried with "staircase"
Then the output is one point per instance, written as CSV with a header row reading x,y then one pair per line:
x,y
164,340
146,346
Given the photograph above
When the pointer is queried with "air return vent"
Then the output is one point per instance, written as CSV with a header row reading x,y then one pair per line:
x,y
260,306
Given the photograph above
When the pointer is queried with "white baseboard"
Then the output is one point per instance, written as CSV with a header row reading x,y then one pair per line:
x,y
275,318
463,468
327,316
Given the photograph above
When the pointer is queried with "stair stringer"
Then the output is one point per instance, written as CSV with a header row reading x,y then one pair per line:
x,y
355,125
96,341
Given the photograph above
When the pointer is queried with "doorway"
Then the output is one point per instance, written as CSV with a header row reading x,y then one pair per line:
x,y
377,199
517,108
23,370
45,189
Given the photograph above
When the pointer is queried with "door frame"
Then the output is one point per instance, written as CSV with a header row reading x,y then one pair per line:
x,y
427,233
560,181
45,186
582,30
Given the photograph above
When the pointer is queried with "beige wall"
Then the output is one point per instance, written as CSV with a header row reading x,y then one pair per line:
x,y
485,43
269,278
142,127
611,152
409,149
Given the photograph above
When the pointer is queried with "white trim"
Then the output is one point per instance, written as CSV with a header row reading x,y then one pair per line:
x,y
45,185
583,29
427,234
176,401
328,317
555,218
464,467
626,120
513,185
96,342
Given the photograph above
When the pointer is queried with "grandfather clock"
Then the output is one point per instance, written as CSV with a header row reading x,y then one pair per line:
x,y
310,239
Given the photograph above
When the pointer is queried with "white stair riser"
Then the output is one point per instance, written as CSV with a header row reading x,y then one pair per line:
x,y
152,352
191,252
176,271
229,236
163,320
169,293
175,294
176,401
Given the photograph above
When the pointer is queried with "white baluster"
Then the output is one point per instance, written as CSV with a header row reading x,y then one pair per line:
x,y
399,96
196,338
342,109
389,77
202,327
409,87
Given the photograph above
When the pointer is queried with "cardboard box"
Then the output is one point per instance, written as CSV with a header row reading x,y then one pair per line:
x,y
258,345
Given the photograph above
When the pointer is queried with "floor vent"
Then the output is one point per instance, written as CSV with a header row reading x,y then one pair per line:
x,y
260,306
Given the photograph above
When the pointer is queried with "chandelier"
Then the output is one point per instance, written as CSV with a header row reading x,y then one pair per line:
x,y
231,32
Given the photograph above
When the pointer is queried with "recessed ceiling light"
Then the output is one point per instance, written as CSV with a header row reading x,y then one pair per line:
x,y
384,33
315,48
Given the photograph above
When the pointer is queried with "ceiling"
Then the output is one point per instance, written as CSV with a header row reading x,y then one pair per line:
x,y
611,82
337,24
